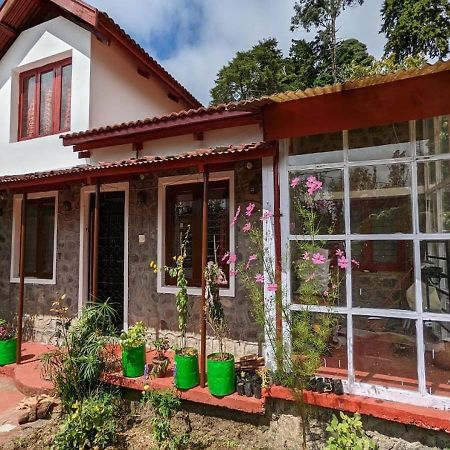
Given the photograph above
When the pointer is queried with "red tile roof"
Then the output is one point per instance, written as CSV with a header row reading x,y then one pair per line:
x,y
139,165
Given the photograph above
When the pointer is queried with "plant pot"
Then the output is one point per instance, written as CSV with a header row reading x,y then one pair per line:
x,y
8,351
248,389
133,361
186,371
257,388
159,367
240,388
221,375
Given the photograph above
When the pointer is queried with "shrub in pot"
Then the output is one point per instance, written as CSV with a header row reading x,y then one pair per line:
x,y
132,343
220,365
160,362
8,344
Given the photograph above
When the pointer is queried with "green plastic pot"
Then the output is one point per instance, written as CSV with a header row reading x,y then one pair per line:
x,y
133,361
8,351
186,371
221,375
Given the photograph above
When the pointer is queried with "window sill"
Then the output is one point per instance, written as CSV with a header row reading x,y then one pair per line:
x,y
31,280
193,291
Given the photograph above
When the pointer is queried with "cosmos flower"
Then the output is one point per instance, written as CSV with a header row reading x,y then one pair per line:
x,y
236,216
272,287
249,209
231,259
318,259
247,227
259,278
266,215
342,262
294,182
250,259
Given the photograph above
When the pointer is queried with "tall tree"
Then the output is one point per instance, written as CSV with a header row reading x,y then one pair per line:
x,y
322,15
415,27
253,73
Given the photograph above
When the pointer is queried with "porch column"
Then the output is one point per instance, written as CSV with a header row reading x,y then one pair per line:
x,y
204,262
95,243
22,243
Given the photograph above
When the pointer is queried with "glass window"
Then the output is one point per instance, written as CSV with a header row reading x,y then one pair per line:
x,y
432,136
39,248
437,357
45,100
183,213
384,351
317,149
380,199
381,142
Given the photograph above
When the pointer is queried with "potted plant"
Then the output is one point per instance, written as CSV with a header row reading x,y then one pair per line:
x,y
8,344
132,343
186,373
220,365
160,362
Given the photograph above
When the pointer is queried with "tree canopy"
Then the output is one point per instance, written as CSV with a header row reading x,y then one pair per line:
x,y
415,27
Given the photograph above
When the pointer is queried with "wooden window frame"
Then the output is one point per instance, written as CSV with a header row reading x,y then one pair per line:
x,y
57,68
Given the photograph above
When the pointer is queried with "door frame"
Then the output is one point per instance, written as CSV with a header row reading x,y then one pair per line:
x,y
84,244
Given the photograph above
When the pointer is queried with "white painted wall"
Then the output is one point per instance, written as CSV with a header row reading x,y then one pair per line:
x,y
48,42
180,144
119,94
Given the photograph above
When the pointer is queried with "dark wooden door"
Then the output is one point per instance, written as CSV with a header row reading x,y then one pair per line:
x,y
111,250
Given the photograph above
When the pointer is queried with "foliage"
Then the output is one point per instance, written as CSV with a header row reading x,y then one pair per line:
x,y
215,316
161,346
416,27
75,366
89,424
6,332
348,434
322,15
164,404
135,336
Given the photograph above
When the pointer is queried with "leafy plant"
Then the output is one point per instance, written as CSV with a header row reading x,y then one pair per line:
x,y
161,346
215,316
75,366
348,434
165,404
6,332
89,424
134,337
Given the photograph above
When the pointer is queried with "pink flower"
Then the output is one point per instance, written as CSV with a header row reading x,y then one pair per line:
x,y
294,182
231,259
235,218
249,209
233,272
250,259
272,287
339,252
356,263
318,259
247,227
342,262
266,215
225,256
259,278
325,293
306,256
313,184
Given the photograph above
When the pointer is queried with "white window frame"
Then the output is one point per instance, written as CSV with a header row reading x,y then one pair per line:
x,y
187,179
15,243
290,163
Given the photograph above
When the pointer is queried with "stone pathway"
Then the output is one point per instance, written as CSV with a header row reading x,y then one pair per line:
x,y
10,397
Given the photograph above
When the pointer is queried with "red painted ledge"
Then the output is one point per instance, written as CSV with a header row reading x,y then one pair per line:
x,y
419,416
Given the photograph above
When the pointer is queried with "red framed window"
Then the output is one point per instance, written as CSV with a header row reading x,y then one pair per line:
x,y
45,97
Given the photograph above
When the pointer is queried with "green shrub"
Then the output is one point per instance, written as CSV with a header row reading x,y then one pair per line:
x,y
90,425
348,434
134,337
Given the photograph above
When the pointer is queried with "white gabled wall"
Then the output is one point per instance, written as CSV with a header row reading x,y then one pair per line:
x,y
119,94
45,43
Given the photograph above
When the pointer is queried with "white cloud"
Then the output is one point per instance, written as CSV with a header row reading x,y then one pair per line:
x,y
207,33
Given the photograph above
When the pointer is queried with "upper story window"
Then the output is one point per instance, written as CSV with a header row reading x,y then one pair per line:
x,y
45,95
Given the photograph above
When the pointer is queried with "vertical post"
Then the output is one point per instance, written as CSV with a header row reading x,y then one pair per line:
x,y
204,262
23,224
95,243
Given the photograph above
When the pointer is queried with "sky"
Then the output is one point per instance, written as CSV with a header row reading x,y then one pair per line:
x,y
193,39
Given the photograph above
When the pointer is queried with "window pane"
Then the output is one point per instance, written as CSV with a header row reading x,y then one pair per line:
x,y
381,142
384,274
384,351
28,107
46,236
325,203
321,148
32,222
313,283
46,110
437,357
435,270
66,93
380,199
432,136
434,196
